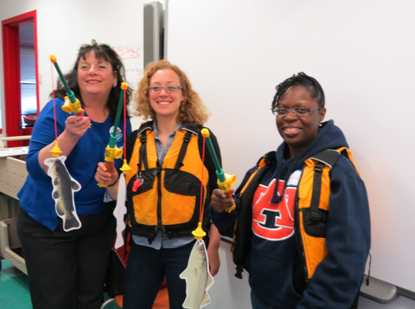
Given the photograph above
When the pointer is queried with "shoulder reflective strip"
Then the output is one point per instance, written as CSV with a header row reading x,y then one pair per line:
x,y
191,131
143,129
324,160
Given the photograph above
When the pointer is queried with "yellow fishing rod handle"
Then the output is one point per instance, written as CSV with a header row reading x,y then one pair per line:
x,y
225,187
73,107
110,155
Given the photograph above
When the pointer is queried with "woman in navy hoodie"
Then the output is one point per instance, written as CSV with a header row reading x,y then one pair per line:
x,y
296,260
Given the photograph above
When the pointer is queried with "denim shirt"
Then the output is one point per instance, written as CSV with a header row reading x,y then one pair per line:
x,y
161,240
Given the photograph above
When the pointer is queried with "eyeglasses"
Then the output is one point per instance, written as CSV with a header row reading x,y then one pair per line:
x,y
169,89
299,111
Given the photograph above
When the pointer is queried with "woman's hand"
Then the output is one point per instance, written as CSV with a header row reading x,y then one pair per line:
x,y
76,126
220,202
103,176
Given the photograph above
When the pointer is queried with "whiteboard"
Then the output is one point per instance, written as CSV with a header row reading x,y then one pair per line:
x,y
362,53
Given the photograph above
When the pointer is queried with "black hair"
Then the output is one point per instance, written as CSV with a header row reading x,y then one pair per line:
x,y
300,79
101,51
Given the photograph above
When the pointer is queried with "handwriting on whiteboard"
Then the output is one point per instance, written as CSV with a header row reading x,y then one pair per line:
x,y
131,56
128,52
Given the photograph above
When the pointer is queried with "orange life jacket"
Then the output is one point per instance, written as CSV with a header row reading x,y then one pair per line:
x,y
311,203
169,195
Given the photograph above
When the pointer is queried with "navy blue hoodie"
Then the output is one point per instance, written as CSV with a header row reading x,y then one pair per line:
x,y
276,270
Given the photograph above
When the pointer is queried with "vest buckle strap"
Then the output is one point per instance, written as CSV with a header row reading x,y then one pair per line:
x,y
156,170
187,137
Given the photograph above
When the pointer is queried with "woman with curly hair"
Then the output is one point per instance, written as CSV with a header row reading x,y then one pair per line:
x,y
164,186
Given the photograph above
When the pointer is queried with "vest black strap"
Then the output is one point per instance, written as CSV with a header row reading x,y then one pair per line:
x,y
315,198
183,149
143,152
142,134
327,157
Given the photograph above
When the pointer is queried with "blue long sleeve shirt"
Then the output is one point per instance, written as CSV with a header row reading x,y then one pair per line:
x,y
36,194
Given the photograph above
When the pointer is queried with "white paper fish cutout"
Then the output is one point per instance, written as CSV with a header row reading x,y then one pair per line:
x,y
120,211
64,187
198,277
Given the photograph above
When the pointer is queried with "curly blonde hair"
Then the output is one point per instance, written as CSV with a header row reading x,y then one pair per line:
x,y
192,110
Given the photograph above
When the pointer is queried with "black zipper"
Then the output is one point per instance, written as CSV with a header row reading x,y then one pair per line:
x,y
157,172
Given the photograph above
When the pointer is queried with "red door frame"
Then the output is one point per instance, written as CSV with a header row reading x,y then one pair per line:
x,y
11,65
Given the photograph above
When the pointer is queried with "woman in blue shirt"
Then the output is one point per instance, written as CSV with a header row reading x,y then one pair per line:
x,y
67,268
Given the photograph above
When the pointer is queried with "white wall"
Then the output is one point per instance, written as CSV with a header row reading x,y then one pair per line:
x,y
362,52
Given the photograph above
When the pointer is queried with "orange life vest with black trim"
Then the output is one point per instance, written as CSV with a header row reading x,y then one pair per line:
x,y
169,194
313,205
311,208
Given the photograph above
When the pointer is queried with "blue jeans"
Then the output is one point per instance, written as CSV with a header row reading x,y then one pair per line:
x,y
146,269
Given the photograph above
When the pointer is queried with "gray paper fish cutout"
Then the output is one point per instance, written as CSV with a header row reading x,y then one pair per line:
x,y
64,187
198,277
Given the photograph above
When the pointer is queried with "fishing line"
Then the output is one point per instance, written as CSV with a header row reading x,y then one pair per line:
x,y
125,124
54,104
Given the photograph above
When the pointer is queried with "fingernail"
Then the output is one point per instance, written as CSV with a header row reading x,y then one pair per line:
x,y
82,117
